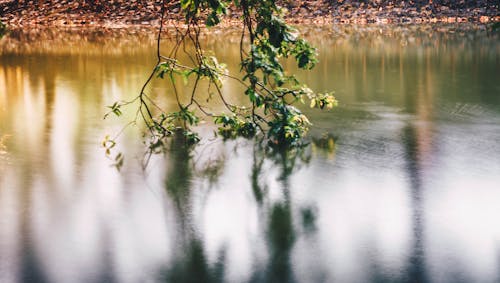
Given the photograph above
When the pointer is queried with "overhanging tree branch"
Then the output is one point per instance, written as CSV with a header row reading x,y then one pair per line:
x,y
266,39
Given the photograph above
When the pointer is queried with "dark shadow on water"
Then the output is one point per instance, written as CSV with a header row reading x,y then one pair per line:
x,y
31,268
190,264
281,238
281,234
416,269
193,266
259,190
179,176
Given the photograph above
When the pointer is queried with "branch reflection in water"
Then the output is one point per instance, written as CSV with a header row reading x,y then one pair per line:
x,y
280,223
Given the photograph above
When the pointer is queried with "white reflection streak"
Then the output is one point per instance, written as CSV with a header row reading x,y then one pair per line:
x,y
463,228
463,209
365,223
32,116
229,220
60,246
138,236
62,137
9,228
3,91
86,222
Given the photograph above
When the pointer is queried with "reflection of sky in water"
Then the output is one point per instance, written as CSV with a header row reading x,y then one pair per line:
x,y
410,190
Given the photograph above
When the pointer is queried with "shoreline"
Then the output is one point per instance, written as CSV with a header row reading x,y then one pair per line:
x,y
78,40
63,13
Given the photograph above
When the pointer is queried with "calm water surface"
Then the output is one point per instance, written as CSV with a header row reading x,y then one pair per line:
x,y
406,190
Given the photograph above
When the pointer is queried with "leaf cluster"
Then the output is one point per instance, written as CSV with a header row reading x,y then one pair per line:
x,y
232,126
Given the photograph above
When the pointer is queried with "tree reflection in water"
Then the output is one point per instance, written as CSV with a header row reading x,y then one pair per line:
x,y
281,234
190,261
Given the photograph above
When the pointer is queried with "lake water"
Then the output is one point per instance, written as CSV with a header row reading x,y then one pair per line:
x,y
406,188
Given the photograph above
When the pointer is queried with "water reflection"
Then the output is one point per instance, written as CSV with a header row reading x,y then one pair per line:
x,y
190,264
198,259
417,259
399,184
281,234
